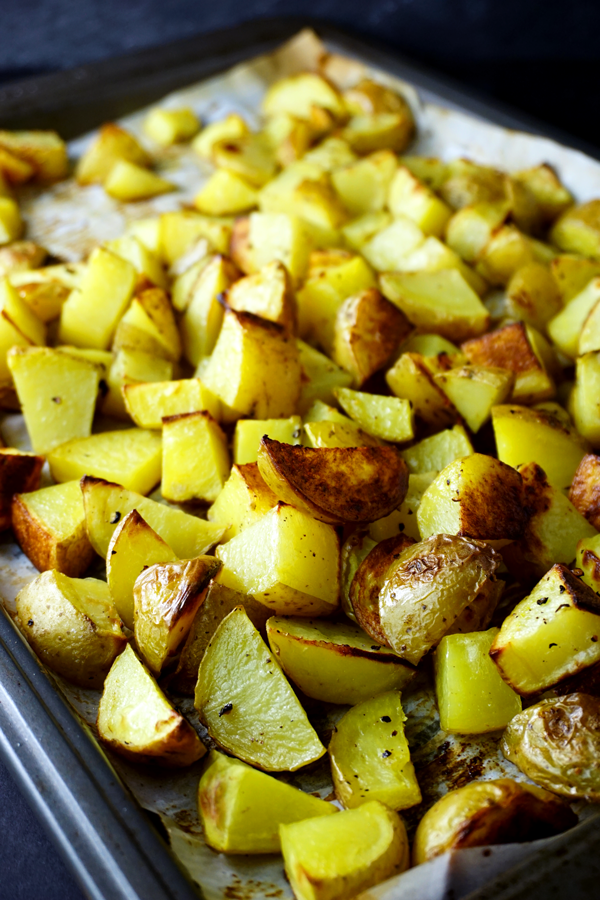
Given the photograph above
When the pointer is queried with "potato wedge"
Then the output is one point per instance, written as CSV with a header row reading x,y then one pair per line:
x,y
334,662
106,503
166,598
19,472
241,809
364,846
72,626
584,492
133,547
411,379
149,325
218,602
49,525
551,634
555,743
131,457
355,485
370,759
471,696
434,453
246,703
284,546
388,418
136,720
489,812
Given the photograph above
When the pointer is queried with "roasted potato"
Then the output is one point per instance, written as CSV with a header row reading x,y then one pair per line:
x,y
489,812
72,626
556,742
355,485
19,472
136,720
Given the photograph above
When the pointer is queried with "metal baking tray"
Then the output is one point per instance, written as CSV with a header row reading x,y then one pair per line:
x,y
113,846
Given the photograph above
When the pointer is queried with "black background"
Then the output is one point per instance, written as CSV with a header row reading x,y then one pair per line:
x,y
540,56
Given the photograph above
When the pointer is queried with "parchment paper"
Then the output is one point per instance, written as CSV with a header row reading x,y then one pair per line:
x,y
70,221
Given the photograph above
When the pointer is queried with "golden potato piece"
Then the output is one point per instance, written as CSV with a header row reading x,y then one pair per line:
x,y
299,93
241,809
166,597
149,325
338,857
584,492
247,704
359,484
334,662
128,182
268,294
72,626
245,498
578,229
49,526
489,812
22,257
218,602
368,330
195,458
19,472
169,126
556,744
112,144
136,720
370,759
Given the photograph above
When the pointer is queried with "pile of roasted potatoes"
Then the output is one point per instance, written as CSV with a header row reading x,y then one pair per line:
x,y
368,384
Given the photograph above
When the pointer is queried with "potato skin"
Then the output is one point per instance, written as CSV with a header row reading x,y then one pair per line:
x,y
584,492
556,743
42,547
489,812
368,581
19,473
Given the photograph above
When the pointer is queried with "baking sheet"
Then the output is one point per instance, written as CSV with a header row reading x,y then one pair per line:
x,y
70,221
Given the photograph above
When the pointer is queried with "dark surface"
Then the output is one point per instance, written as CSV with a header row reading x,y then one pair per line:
x,y
541,56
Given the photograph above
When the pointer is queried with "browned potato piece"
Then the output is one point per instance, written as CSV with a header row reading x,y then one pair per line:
x,y
369,98
218,602
584,493
556,743
335,485
511,348
426,588
489,812
368,330
166,598
20,256
368,579
44,150
268,294
136,720
19,473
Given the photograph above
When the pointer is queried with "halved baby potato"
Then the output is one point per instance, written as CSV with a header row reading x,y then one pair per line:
x,y
335,485
136,720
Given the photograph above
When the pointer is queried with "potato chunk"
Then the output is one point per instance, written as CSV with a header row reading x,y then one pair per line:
x,y
584,492
286,560
133,547
578,229
472,697
195,457
489,812
111,144
166,597
334,662
49,525
268,294
169,126
203,317
551,634
148,403
388,418
19,327
245,498
44,150
358,484
370,759
254,369
411,379
299,93
475,391
57,393
364,846
128,182
246,703
131,457
476,497
556,744
427,588
434,453
19,471
241,809
72,626
248,433
136,720
149,325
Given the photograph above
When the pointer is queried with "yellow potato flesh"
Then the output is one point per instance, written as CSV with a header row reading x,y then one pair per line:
x,y
133,547
166,598
132,367
241,809
246,703
404,519
127,181
149,403
131,457
248,434
57,393
388,418
105,504
244,500
475,391
195,458
338,857
320,377
334,662
551,634
434,453
136,719
370,759
286,560
72,626
472,697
